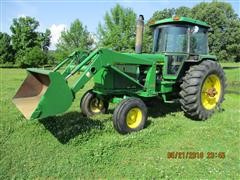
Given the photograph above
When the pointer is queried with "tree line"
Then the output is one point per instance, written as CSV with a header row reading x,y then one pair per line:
x,y
26,47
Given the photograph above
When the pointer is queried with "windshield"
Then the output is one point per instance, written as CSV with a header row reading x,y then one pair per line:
x,y
171,38
174,38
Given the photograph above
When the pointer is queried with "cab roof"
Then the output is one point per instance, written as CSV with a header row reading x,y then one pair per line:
x,y
180,20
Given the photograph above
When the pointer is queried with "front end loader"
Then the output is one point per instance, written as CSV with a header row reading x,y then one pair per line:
x,y
179,69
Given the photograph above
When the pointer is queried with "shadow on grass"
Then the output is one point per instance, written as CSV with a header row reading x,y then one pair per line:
x,y
157,108
231,67
70,125
232,92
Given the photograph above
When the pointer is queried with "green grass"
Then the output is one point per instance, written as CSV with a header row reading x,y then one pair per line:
x,y
232,71
71,146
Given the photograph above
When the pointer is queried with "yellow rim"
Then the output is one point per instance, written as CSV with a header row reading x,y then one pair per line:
x,y
211,91
134,117
96,105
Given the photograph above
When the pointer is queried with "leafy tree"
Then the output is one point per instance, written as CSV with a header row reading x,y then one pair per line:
x,y
162,14
183,11
32,57
118,30
27,42
76,38
6,50
233,46
44,39
225,39
167,13
24,34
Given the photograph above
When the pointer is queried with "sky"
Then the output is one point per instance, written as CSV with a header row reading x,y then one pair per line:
x,y
59,14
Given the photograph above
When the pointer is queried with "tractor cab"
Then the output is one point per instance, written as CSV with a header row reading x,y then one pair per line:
x,y
180,38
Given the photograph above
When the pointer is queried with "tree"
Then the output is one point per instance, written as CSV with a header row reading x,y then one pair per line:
x,y
233,47
118,30
76,38
225,38
44,39
6,50
162,14
28,43
168,13
24,34
32,57
183,11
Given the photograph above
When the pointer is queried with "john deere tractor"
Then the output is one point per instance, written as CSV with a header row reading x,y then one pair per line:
x,y
179,69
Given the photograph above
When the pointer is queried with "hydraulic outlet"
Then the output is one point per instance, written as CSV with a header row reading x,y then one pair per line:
x,y
139,34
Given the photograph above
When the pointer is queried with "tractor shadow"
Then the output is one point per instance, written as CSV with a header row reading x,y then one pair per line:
x,y
157,108
231,67
67,126
70,125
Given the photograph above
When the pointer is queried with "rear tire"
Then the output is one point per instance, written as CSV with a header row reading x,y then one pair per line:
x,y
130,115
91,104
202,90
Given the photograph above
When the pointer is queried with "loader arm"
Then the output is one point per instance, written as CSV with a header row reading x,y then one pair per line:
x,y
73,59
104,58
46,92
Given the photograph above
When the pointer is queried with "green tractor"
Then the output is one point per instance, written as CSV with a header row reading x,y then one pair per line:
x,y
179,69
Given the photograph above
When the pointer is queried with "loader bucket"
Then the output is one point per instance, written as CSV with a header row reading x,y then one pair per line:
x,y
42,94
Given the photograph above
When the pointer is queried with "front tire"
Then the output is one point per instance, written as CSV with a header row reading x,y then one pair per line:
x,y
130,115
202,90
91,104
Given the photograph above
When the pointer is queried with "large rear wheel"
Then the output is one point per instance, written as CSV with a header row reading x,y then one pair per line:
x,y
202,90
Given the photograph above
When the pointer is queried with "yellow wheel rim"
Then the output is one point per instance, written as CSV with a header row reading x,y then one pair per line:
x,y
134,117
211,91
96,105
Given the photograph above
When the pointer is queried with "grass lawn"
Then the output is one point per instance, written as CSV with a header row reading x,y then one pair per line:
x,y
71,146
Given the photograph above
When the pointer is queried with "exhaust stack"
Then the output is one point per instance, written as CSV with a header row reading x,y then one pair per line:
x,y
139,34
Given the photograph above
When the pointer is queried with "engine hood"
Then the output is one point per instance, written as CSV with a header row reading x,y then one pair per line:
x,y
152,57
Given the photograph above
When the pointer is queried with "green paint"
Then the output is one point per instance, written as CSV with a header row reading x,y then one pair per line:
x,y
150,84
182,20
116,100
117,75
57,98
